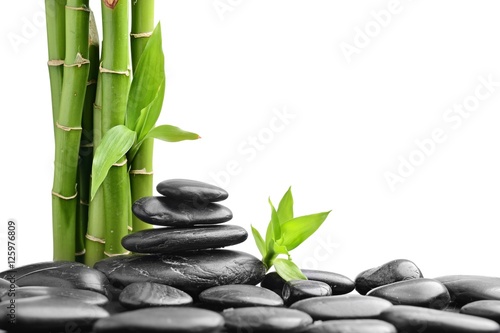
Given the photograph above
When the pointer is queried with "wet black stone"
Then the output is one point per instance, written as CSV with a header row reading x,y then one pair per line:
x,y
146,294
418,292
169,319
62,274
5,285
266,319
191,272
172,240
469,288
352,326
238,296
412,319
340,284
342,307
85,296
393,271
168,212
191,190
54,314
297,290
485,309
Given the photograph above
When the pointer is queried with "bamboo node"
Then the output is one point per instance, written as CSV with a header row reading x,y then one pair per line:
x,y
140,172
79,61
142,34
97,107
55,62
67,128
83,9
87,145
120,164
84,203
115,254
109,71
130,228
95,239
60,196
81,253
91,82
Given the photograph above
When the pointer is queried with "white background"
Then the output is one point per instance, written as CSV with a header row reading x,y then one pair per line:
x,y
227,74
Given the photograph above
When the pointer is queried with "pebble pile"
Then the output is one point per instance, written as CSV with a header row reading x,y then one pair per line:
x,y
180,280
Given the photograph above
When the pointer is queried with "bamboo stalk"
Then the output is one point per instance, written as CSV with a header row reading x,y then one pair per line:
x,y
115,86
141,172
68,129
86,142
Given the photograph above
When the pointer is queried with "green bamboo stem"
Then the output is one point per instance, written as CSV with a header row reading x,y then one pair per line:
x,y
86,142
141,171
68,129
115,86
55,17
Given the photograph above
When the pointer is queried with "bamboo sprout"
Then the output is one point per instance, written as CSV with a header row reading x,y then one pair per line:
x,y
68,129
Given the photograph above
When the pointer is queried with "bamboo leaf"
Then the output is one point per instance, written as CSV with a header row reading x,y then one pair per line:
x,y
261,245
288,270
300,228
148,77
171,133
273,233
151,113
285,208
114,145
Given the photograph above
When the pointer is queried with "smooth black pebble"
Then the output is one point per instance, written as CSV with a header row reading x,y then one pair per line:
x,y
147,294
469,288
266,319
172,240
170,319
352,326
485,309
297,290
238,296
167,212
191,190
85,296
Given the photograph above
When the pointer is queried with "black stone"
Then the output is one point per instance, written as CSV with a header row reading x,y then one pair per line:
x,y
169,319
46,313
239,296
266,319
172,240
393,271
191,272
343,307
168,212
191,190
62,274
418,292
352,326
485,309
6,285
340,284
146,294
412,319
85,296
297,290
470,288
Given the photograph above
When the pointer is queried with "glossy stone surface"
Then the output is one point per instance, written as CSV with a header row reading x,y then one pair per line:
x,y
297,290
46,313
340,284
469,288
172,240
418,292
191,190
191,272
146,294
238,296
412,319
62,274
485,309
390,272
266,319
85,296
5,285
168,212
343,307
170,319
352,326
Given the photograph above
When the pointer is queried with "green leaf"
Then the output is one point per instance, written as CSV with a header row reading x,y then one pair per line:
x,y
300,228
148,78
273,233
171,133
114,145
261,245
288,270
149,114
285,208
